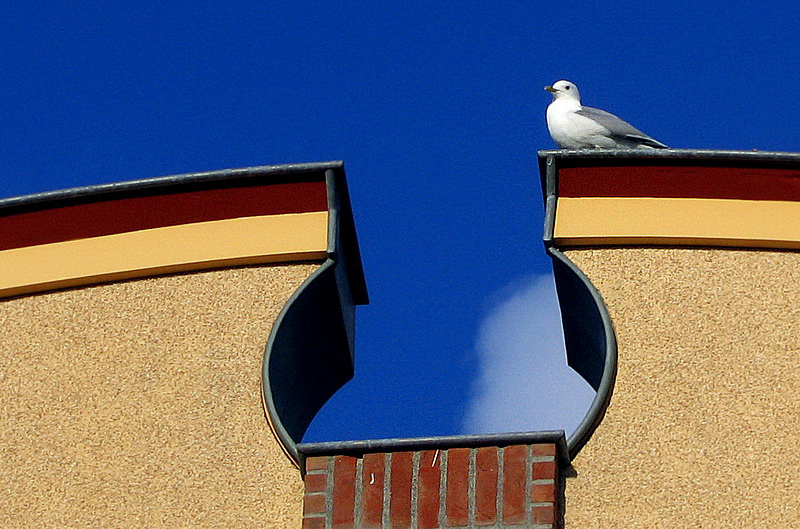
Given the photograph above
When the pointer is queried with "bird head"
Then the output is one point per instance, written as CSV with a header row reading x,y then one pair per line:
x,y
564,89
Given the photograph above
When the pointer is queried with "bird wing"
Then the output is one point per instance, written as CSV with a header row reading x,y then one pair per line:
x,y
619,128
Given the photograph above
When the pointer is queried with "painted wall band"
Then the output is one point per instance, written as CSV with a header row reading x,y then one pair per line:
x,y
125,214
196,246
677,221
671,181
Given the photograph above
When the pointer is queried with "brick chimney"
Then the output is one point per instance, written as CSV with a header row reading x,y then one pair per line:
x,y
511,480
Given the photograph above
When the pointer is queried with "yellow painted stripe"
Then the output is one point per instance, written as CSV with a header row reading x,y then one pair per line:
x,y
677,221
196,246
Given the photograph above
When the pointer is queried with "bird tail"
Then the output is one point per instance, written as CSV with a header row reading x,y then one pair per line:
x,y
647,142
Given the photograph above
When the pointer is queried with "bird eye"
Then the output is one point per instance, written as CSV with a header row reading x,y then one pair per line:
x,y
568,87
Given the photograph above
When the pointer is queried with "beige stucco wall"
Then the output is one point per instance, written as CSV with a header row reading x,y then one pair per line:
x,y
702,427
138,404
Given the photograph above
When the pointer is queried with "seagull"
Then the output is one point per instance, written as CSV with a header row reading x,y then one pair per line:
x,y
573,126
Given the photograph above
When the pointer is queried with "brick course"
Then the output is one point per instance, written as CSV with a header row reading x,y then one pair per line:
x,y
486,486
457,487
514,462
428,495
372,476
512,486
400,491
344,492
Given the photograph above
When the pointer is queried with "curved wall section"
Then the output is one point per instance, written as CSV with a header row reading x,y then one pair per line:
x,y
703,421
695,256
135,322
141,400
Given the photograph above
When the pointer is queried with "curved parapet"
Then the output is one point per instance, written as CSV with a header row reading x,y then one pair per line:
x,y
674,198
309,355
135,321
588,332
692,255
589,339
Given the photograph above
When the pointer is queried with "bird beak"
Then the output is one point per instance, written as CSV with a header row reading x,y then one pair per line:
x,y
550,89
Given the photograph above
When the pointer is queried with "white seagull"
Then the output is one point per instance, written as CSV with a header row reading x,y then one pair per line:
x,y
573,126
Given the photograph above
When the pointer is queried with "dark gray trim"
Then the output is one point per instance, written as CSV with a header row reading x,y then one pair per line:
x,y
590,342
442,443
311,348
547,168
171,184
342,237
308,356
588,331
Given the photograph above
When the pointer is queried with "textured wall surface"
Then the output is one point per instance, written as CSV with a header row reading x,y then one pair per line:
x,y
702,429
459,488
138,404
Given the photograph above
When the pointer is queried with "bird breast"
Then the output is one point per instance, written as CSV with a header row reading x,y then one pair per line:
x,y
571,130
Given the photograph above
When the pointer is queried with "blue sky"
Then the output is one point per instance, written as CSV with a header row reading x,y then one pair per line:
x,y
437,111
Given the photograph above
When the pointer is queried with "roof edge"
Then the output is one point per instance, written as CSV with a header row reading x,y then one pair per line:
x,y
130,186
673,154
556,437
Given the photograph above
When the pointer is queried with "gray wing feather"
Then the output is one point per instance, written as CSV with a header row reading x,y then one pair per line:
x,y
618,127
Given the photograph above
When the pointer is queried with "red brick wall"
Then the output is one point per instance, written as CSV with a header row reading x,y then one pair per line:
x,y
513,486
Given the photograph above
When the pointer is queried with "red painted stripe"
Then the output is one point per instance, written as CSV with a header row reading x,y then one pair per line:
x,y
680,182
139,213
